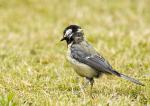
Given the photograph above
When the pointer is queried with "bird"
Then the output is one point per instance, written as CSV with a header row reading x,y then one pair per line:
x,y
85,60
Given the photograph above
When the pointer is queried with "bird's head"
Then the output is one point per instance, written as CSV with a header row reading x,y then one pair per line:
x,y
73,33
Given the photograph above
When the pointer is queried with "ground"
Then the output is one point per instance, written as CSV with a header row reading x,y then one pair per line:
x,y
33,65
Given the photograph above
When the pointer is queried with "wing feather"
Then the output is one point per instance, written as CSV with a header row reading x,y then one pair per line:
x,y
87,55
90,58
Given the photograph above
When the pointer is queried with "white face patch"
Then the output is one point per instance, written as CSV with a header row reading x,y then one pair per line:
x,y
68,32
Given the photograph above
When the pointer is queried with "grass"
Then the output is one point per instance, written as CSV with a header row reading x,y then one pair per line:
x,y
33,67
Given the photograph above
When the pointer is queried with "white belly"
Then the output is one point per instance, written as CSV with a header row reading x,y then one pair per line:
x,y
84,70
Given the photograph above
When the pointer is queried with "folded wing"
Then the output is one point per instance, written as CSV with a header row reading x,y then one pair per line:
x,y
97,62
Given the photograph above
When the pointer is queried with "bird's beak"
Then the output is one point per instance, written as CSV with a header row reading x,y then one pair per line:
x,y
63,39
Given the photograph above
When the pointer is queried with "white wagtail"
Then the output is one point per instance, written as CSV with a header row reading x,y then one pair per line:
x,y
85,60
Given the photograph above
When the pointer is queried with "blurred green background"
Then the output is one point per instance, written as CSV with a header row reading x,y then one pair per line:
x,y
33,67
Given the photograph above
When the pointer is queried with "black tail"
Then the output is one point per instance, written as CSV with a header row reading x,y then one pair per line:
x,y
126,77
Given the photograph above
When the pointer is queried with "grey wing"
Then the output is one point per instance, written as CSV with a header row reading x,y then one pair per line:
x,y
92,59
97,62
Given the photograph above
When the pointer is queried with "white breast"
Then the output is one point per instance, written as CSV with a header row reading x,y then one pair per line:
x,y
80,68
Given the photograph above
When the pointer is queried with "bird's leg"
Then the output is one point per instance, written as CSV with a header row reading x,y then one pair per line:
x,y
91,82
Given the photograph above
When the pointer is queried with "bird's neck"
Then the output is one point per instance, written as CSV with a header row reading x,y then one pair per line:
x,y
78,39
